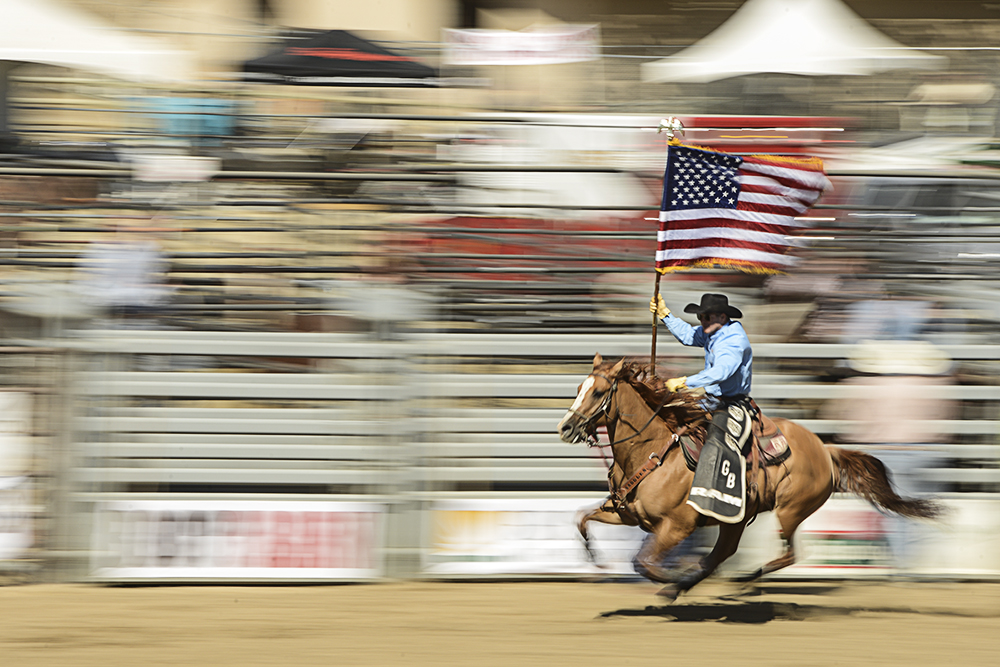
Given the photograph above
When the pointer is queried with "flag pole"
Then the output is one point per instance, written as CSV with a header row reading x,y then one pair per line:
x,y
669,126
652,352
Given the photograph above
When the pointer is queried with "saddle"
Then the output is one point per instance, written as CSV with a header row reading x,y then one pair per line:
x,y
764,435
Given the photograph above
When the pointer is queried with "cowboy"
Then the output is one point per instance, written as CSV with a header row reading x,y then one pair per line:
x,y
726,381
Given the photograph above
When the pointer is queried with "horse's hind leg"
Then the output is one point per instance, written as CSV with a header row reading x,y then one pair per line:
x,y
789,518
603,513
784,560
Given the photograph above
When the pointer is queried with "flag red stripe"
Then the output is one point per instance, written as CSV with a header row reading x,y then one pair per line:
x,y
771,209
798,194
708,223
720,242
749,207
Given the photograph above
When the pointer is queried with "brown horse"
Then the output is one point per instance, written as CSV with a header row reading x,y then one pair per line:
x,y
643,422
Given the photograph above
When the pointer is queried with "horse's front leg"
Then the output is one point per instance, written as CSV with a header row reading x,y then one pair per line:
x,y
603,513
667,535
725,546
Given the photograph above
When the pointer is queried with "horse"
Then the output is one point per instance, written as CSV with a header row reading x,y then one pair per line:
x,y
650,481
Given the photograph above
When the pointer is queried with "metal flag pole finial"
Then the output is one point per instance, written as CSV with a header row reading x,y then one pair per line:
x,y
671,127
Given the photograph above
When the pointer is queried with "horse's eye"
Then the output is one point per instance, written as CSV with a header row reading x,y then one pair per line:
x,y
599,392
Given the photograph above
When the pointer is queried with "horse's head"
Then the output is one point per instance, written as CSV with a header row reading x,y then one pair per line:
x,y
593,398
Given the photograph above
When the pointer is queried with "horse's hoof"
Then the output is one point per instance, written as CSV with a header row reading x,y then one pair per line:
x,y
669,592
747,577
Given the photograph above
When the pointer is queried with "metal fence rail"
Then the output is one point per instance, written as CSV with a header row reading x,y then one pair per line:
x,y
404,422
470,407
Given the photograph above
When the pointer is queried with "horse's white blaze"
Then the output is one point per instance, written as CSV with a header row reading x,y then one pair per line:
x,y
584,390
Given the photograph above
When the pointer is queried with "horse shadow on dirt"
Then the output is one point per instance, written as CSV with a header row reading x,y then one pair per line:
x,y
746,612
739,608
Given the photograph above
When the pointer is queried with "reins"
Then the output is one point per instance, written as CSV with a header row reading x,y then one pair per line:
x,y
591,439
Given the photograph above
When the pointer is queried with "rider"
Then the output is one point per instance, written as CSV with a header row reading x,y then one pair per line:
x,y
728,365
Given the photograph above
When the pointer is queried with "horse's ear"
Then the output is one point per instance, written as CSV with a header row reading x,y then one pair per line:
x,y
617,368
598,359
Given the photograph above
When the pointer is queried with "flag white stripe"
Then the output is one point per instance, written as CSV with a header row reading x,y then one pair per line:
x,y
777,188
727,233
741,254
773,200
813,180
729,214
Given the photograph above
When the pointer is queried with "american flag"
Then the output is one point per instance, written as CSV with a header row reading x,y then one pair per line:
x,y
734,211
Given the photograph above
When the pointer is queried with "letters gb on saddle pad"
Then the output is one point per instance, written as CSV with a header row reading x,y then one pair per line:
x,y
719,486
737,212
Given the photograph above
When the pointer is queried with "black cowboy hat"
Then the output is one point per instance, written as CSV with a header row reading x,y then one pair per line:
x,y
714,303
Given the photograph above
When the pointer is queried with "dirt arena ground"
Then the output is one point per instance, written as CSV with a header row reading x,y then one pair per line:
x,y
512,623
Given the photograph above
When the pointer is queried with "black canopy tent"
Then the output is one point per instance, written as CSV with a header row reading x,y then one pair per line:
x,y
339,58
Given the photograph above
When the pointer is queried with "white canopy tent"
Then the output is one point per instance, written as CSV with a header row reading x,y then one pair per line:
x,y
807,37
44,31
47,32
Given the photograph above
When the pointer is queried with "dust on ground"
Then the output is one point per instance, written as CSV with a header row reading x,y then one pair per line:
x,y
503,623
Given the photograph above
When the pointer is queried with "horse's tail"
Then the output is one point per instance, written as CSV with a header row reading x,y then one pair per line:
x,y
866,476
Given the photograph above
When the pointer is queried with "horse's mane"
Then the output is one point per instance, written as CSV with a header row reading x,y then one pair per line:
x,y
683,406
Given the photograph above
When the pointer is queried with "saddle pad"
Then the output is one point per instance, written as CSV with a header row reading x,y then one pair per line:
x,y
719,486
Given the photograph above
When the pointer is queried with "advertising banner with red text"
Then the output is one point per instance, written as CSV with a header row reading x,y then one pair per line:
x,y
245,540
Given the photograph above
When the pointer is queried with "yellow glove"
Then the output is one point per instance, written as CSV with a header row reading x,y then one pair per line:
x,y
676,384
657,306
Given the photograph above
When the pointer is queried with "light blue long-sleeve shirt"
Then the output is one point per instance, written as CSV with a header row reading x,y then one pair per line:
x,y
728,356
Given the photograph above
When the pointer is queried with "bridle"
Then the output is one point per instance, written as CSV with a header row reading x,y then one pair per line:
x,y
590,436
587,425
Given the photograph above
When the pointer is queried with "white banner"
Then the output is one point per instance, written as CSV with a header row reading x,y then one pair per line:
x,y
524,536
237,539
16,525
16,516
846,539
15,433
546,45
174,168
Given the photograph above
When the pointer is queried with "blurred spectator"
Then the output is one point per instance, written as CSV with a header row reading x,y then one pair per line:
x,y
886,319
126,276
833,288
893,412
